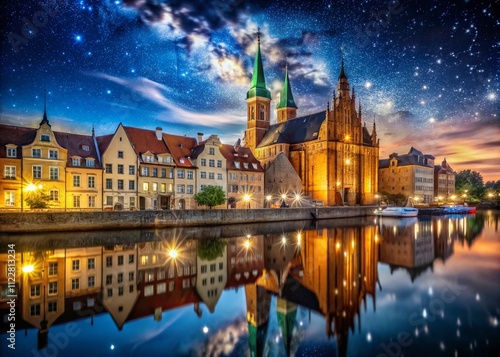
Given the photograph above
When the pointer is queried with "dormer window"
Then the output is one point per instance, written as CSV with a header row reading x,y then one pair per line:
x,y
85,148
90,162
11,151
75,161
237,164
254,166
45,137
245,165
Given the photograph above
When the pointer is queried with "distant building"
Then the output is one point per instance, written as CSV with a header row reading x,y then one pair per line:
x,y
411,175
332,152
444,182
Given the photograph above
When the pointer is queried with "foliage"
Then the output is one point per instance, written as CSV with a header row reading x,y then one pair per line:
x,y
211,249
392,198
470,183
38,199
210,196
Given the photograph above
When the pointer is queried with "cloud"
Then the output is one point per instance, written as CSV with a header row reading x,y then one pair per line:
x,y
225,340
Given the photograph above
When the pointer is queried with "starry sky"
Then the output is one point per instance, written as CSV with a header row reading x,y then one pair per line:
x,y
426,71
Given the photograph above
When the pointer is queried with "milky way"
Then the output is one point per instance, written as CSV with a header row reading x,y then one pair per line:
x,y
425,71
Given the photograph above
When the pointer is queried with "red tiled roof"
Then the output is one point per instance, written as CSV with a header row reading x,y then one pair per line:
x,y
103,142
243,155
180,148
145,140
76,144
15,135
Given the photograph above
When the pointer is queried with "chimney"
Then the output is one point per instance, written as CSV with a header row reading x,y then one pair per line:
x,y
158,133
200,137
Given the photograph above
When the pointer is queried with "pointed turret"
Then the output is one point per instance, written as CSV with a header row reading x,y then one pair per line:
x,y
342,74
287,109
258,84
343,83
374,133
258,103
44,119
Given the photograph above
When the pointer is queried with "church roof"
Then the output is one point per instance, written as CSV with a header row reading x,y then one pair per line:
x,y
294,131
286,99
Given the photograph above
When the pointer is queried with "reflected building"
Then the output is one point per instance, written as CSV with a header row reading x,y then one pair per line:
x,y
211,278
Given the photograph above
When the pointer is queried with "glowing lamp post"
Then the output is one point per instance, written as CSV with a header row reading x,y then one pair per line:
x,y
246,198
268,201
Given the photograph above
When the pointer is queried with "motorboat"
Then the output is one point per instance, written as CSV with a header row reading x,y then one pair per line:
x,y
458,209
397,212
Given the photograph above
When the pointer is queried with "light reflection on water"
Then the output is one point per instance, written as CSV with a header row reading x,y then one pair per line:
x,y
355,287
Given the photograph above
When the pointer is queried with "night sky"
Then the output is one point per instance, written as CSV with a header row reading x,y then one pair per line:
x,y
426,71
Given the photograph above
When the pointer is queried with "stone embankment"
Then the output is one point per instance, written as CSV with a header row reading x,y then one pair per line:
x,y
118,220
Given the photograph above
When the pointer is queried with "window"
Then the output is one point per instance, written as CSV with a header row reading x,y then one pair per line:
x,y
163,188
203,162
91,181
145,171
211,151
91,263
219,176
53,154
160,275
91,281
109,279
36,152
45,137
148,290
120,278
171,286
120,260
76,201
237,164
10,198
245,165
52,307
109,200
219,163
131,185
163,172
145,186
132,202
109,168
131,276
204,282
75,284
131,170
35,310
110,292
149,277
180,188
221,266
211,175
213,267
211,163
120,184
120,154
120,291
155,187
131,258
11,152
10,172
109,184
109,262
161,288
37,172
76,265
203,175
212,280
148,158
189,189
180,174
54,195
120,169
131,288
154,172
90,162
53,288
76,180
35,291
52,268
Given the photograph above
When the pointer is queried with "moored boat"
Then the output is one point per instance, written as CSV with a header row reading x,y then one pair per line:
x,y
397,212
458,209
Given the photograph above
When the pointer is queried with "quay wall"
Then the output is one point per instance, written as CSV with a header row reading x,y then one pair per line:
x,y
117,220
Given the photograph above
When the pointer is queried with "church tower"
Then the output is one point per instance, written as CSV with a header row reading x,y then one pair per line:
x,y
287,109
258,103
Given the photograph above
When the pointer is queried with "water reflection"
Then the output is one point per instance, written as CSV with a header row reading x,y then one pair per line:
x,y
330,270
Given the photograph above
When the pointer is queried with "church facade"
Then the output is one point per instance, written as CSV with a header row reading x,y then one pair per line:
x,y
332,151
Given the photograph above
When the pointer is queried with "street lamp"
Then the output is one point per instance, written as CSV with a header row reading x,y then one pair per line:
x,y
377,196
246,198
268,201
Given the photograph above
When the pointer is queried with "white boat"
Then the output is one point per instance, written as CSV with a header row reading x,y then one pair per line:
x,y
397,212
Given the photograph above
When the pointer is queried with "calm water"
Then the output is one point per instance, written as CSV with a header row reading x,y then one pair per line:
x,y
360,287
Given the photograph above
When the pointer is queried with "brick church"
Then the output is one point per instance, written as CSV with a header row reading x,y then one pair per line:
x,y
329,156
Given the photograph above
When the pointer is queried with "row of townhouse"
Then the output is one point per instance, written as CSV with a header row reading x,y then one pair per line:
x,y
132,168
415,175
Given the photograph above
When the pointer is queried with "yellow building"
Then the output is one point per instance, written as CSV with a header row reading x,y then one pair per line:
x,y
331,151
411,175
444,182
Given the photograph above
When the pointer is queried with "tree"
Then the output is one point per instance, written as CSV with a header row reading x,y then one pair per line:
x,y
469,183
211,249
37,199
210,196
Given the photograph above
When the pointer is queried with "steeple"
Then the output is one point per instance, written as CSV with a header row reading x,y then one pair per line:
x,y
258,84
342,71
44,119
286,100
374,133
343,84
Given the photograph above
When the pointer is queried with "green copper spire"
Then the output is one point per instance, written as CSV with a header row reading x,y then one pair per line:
x,y
258,85
286,99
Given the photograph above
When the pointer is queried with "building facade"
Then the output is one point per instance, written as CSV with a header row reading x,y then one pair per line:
x,y
444,182
332,151
411,175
